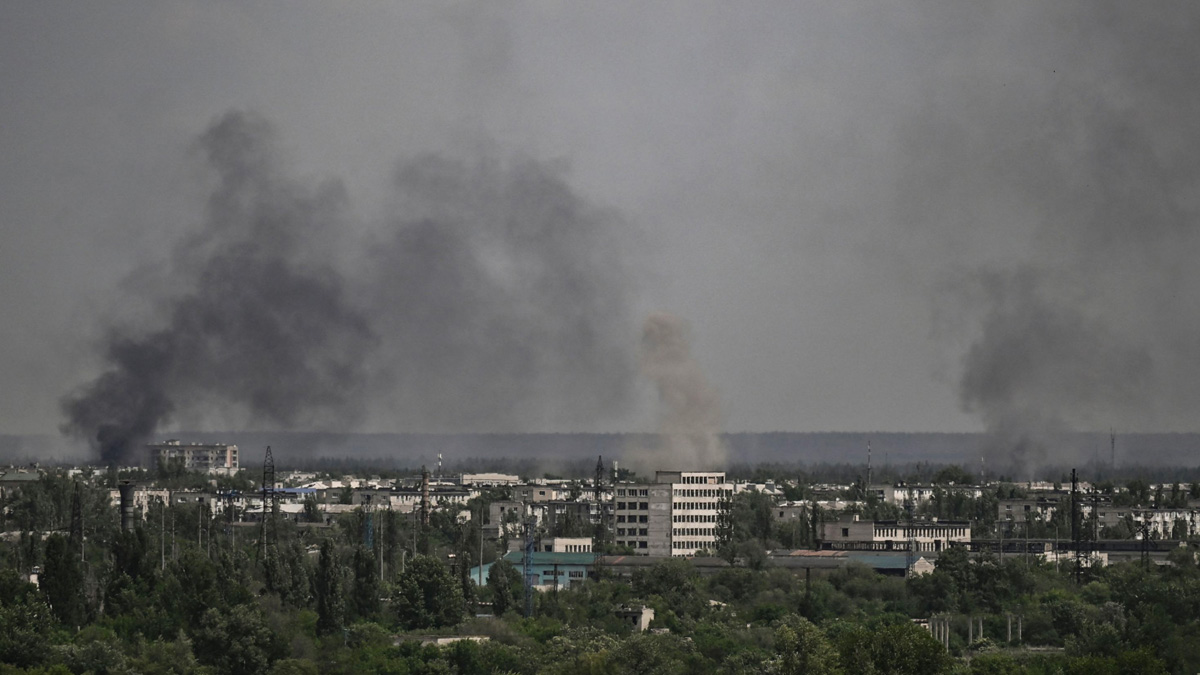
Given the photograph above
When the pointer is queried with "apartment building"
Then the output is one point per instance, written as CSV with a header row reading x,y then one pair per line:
x,y
210,457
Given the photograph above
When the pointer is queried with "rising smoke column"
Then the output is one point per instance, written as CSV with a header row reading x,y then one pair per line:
x,y
690,412
263,326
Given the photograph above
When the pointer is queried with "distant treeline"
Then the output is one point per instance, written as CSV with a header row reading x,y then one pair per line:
x,y
893,454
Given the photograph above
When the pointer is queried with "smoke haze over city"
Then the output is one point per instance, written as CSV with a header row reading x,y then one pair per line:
x,y
918,217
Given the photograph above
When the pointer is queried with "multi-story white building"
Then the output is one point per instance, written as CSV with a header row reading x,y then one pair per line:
x,y
210,457
695,508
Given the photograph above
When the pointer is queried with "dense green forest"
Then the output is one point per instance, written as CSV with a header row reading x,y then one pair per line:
x,y
188,593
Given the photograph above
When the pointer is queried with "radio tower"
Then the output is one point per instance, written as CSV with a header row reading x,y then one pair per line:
x,y
1112,448
867,487
268,499
424,497
599,477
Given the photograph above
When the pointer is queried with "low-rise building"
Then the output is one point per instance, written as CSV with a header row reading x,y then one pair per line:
x,y
914,494
534,494
548,570
489,479
637,616
851,533
14,479
567,545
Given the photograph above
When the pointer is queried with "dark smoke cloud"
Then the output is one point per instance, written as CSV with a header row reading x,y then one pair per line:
x,y
1069,199
496,300
265,327
504,300
1039,369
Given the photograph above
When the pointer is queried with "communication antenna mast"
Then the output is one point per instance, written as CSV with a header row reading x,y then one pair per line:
x,y
268,500
1145,528
1112,448
424,497
368,524
599,476
867,487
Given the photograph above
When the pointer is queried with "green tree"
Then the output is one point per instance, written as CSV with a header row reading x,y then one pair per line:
x,y
364,598
25,622
237,642
331,606
311,513
427,595
905,648
804,649
503,580
62,581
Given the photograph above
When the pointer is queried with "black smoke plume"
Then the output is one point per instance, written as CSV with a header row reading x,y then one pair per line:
x,y
502,299
493,299
264,326
1066,188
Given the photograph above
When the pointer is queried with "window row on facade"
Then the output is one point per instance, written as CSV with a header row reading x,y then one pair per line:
x,y
694,518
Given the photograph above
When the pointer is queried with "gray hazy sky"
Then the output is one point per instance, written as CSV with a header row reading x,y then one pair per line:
x,y
900,216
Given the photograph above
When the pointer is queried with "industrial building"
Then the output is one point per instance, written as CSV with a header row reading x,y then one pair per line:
x,y
851,533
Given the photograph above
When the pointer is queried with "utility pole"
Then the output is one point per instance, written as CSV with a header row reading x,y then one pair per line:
x,y
530,526
77,519
1076,526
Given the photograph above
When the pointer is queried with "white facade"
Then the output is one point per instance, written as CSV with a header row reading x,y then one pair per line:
x,y
142,498
849,532
695,508
567,545
489,479
211,457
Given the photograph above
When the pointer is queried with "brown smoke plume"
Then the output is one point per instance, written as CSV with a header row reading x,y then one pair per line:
x,y
690,414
